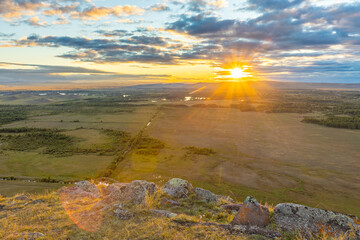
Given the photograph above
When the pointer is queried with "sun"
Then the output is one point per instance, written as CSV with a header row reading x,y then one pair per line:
x,y
238,73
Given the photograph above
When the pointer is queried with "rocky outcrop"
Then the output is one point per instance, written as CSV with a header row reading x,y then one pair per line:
x,y
88,187
178,188
312,221
252,213
87,204
255,230
205,195
136,191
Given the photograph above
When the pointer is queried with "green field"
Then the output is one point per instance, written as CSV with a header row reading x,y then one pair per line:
x,y
11,188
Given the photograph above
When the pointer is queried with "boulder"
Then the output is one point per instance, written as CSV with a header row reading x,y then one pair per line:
x,y
123,214
34,202
252,213
205,195
87,186
114,190
312,221
133,192
255,230
163,213
136,191
178,188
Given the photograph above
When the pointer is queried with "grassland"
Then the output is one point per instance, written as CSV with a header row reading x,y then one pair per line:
x,y
11,188
272,156
250,145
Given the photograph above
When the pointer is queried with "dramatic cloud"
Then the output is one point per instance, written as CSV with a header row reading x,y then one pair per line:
x,y
17,8
278,38
30,74
82,9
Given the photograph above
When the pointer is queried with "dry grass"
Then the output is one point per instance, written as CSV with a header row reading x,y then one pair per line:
x,y
49,218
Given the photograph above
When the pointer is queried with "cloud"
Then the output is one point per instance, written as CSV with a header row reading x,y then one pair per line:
x,y
36,21
113,33
200,24
17,8
200,5
281,34
261,5
82,9
4,35
31,74
95,13
132,48
159,7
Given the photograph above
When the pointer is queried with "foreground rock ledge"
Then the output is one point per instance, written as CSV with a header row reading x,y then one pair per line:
x,y
88,203
313,221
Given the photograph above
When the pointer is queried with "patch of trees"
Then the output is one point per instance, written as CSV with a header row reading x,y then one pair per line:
x,y
10,115
24,130
54,142
335,121
149,146
200,151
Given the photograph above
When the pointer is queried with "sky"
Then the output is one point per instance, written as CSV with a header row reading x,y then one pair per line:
x,y
64,44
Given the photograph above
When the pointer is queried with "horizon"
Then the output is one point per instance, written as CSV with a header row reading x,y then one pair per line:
x,y
97,44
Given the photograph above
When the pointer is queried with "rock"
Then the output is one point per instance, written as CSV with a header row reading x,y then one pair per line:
x,y
355,218
88,187
252,213
150,187
312,221
37,201
34,202
231,207
114,189
168,202
163,213
22,198
205,195
123,214
136,191
255,230
178,188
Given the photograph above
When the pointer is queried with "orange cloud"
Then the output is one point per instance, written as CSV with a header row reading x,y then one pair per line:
x,y
95,13
12,9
